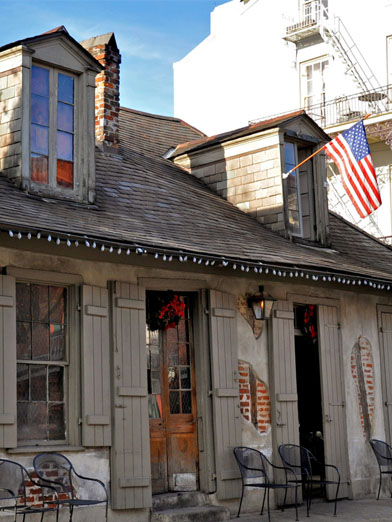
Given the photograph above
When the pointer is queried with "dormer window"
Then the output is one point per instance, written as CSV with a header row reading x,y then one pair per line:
x,y
299,191
52,127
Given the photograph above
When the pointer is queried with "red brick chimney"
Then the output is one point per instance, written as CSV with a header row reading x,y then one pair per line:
x,y
107,93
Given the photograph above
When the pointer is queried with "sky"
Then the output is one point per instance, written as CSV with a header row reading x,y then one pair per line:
x,y
151,35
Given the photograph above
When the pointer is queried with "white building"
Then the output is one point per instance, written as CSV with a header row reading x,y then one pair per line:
x,y
332,58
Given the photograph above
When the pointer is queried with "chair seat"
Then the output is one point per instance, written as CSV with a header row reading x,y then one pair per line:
x,y
81,502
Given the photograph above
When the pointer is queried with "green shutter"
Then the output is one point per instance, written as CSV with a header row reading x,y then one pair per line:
x,y
8,435
130,455
95,367
226,411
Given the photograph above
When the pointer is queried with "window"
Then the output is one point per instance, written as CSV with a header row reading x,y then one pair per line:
x,y
52,128
293,203
42,362
314,88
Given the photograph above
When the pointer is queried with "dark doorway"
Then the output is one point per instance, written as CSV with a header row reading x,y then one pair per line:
x,y
308,380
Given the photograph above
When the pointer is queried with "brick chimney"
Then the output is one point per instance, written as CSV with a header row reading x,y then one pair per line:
x,y
107,93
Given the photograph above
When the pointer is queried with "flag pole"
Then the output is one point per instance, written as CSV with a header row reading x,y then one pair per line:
x,y
312,155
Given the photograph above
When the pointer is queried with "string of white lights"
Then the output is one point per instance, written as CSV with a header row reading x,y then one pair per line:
x,y
221,262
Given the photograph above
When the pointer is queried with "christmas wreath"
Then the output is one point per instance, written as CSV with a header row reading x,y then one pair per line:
x,y
164,310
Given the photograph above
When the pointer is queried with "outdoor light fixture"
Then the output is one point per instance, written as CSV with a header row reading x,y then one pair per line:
x,y
261,304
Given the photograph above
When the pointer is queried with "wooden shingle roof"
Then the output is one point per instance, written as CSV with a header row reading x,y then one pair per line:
x,y
143,198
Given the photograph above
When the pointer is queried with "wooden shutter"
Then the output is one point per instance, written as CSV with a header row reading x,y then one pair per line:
x,y
226,412
283,379
385,328
130,457
8,435
334,414
95,367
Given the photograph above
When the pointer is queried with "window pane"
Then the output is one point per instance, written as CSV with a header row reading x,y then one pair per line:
x,y
23,302
57,304
40,81
32,421
39,110
289,151
174,400
65,173
56,383
40,342
39,168
186,402
40,303
184,353
23,340
65,88
38,383
64,146
57,342
39,139
172,375
185,378
65,115
56,422
22,382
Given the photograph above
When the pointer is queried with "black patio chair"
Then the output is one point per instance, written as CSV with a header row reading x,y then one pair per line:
x,y
383,453
256,472
74,490
14,493
303,462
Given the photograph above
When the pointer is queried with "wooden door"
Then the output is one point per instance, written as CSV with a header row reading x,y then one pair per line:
x,y
331,365
385,329
172,406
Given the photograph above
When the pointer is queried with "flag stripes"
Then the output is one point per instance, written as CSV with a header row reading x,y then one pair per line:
x,y
350,152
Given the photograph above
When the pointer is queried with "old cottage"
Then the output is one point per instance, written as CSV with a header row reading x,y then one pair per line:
x,y
112,223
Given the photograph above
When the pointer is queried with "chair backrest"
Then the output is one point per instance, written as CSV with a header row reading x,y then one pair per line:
x,y
252,463
296,458
54,467
13,478
382,451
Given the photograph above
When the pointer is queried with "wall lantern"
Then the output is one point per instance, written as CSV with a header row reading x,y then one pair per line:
x,y
261,304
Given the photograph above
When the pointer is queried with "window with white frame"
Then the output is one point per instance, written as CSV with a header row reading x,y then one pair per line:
x,y
52,128
313,87
43,363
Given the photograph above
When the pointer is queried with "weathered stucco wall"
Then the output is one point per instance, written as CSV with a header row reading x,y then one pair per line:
x,y
358,318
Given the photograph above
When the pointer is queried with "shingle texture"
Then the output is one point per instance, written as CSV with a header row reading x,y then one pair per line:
x,y
144,198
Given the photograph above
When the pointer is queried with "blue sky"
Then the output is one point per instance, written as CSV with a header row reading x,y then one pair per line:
x,y
151,35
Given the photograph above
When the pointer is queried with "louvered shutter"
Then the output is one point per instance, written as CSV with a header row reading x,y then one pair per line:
x,y
130,458
284,398
385,328
226,411
8,435
331,366
95,367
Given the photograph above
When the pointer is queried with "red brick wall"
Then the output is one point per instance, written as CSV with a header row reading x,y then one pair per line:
x,y
255,404
107,94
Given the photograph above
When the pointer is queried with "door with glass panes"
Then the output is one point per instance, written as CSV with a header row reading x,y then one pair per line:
x,y
172,402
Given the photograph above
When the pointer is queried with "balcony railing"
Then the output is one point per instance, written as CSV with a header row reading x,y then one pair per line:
x,y
312,14
344,109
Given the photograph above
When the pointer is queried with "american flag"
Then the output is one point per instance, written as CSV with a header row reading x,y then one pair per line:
x,y
351,154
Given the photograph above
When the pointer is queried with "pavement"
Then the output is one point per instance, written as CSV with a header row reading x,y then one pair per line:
x,y
366,510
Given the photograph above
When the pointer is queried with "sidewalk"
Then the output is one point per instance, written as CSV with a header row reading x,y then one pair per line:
x,y
369,510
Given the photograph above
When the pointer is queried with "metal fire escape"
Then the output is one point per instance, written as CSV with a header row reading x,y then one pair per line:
x,y
316,23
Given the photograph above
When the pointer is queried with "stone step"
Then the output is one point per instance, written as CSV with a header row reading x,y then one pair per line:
x,y
192,514
178,500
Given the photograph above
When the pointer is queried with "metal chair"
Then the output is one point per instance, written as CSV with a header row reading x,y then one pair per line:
x,y
256,471
302,461
74,490
14,495
383,453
